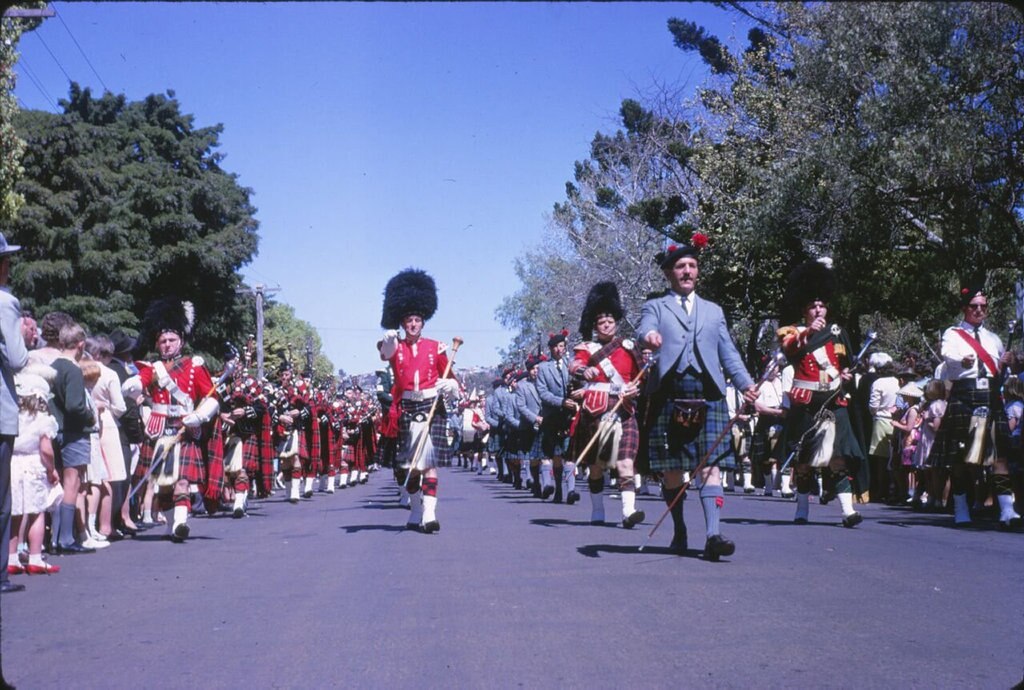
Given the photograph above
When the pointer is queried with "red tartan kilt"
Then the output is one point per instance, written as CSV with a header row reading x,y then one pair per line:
x,y
192,468
251,454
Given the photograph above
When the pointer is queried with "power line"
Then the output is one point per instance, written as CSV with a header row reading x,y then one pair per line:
x,y
40,37
84,56
32,77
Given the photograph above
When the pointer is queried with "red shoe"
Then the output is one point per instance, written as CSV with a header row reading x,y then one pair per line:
x,y
13,569
44,569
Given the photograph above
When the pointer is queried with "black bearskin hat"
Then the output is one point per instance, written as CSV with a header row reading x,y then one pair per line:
x,y
810,281
167,314
602,299
410,292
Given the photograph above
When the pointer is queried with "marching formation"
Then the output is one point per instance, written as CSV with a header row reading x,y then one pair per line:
x,y
109,441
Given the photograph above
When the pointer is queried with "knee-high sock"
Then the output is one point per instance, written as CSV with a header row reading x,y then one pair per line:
x,y
569,477
1003,488
803,506
628,500
711,499
66,535
677,510
597,499
429,499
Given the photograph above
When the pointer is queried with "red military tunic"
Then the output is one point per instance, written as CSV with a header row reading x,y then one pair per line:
x,y
619,368
816,367
189,376
417,366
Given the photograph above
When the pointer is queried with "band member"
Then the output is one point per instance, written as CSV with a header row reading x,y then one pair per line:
x,y
528,406
974,431
247,443
496,434
695,354
419,365
820,355
182,400
289,427
557,410
609,366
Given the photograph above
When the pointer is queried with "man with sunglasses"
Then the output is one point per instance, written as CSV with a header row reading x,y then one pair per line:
x,y
973,359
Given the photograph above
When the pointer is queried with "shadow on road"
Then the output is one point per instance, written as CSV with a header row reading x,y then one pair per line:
x,y
352,529
561,522
595,550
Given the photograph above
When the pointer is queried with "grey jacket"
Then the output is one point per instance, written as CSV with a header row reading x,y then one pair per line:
x,y
527,402
552,384
712,343
13,356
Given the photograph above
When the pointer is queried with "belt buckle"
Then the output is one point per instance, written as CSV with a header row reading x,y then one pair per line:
x,y
981,384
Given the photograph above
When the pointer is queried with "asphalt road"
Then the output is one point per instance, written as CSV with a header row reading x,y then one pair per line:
x,y
516,593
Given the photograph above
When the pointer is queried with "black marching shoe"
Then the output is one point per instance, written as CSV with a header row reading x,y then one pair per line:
x,y
679,543
238,513
181,532
547,493
633,520
572,497
852,520
1011,525
9,587
431,527
718,546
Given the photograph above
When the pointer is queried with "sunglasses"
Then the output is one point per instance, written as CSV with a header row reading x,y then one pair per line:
x,y
978,307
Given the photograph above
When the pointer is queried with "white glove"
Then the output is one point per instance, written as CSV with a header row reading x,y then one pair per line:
x,y
191,420
208,407
449,387
388,344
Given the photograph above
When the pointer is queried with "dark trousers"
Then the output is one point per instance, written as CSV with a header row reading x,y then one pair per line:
x,y
6,449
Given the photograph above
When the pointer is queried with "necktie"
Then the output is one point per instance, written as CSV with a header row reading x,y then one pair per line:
x,y
982,370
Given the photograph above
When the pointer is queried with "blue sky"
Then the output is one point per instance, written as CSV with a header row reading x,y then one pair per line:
x,y
379,136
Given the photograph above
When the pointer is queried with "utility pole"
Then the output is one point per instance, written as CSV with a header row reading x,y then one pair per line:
x,y
309,356
260,291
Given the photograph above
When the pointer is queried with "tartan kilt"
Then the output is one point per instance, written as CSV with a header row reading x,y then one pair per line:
x,y
251,454
191,467
386,450
760,444
667,450
555,432
800,418
587,426
494,440
442,451
953,437
530,442
511,443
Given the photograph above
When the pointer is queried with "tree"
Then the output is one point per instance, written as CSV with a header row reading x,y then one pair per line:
x,y
887,136
12,146
285,337
126,202
634,191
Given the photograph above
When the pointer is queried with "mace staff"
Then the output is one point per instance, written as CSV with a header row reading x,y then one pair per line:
x,y
771,369
421,442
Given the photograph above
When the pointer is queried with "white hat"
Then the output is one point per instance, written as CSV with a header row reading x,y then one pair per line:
x,y
35,380
911,390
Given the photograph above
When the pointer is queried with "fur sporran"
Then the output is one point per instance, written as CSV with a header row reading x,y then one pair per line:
x,y
821,443
977,449
233,455
167,473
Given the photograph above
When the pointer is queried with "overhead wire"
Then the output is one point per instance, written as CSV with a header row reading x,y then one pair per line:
x,y
39,36
24,66
80,50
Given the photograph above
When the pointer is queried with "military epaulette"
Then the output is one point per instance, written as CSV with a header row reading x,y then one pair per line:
x,y
198,361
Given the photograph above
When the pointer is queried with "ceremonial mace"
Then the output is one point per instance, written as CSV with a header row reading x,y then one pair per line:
x,y
165,445
611,413
422,440
773,366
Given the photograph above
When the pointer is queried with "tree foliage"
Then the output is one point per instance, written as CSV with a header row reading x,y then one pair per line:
x,y
284,339
887,136
11,145
126,202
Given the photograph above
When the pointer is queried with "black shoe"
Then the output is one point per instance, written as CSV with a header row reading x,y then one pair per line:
x,y
10,588
548,492
826,497
238,513
749,490
412,526
431,527
181,532
679,543
852,520
293,501
633,520
572,497
127,531
308,494
73,550
718,546
556,499
787,495
800,521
